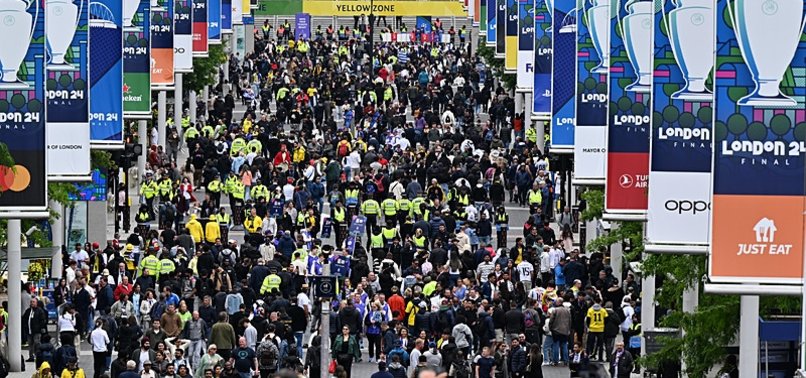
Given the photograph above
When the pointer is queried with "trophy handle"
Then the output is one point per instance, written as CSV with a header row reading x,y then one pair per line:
x,y
730,14
36,18
80,9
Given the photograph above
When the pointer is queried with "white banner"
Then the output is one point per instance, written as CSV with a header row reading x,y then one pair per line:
x,y
237,12
526,71
183,53
68,150
590,155
679,208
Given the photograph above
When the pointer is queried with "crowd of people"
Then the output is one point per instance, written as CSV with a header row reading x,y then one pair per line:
x,y
388,165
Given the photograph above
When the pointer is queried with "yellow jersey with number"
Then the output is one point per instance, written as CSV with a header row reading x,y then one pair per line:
x,y
596,319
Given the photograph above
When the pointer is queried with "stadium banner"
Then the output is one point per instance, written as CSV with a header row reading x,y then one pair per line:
x,y
302,26
183,36
562,35
526,46
162,47
501,29
383,8
226,16
682,111
593,63
106,81
483,18
757,226
246,7
511,37
214,22
492,11
237,12
200,37
137,61
67,110
630,96
541,77
22,95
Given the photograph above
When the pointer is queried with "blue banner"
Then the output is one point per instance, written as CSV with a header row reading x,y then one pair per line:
x,y
541,88
563,75
327,226
491,26
67,113
500,28
593,62
22,98
137,60
106,65
183,36
358,225
162,47
214,22
226,16
525,45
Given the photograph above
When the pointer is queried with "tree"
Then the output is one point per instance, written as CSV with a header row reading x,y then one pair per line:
x,y
497,66
205,70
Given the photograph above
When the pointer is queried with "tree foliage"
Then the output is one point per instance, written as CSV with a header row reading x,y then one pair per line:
x,y
205,70
497,66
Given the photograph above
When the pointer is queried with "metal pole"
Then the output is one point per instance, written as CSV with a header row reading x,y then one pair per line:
x,y
647,307
324,330
748,337
14,293
57,230
227,51
142,131
803,321
206,98
162,117
178,104
690,303
192,106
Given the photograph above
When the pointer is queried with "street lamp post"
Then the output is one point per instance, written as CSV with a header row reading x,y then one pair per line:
x,y
371,37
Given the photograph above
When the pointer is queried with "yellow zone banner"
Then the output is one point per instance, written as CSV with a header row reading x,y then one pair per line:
x,y
511,54
383,8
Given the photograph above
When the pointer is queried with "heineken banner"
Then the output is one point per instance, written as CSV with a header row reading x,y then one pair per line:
x,y
483,18
511,37
501,29
526,45
183,36
22,98
162,47
106,81
492,11
226,16
541,85
136,61
214,22
682,110
593,63
200,43
760,140
237,12
563,76
67,106
630,93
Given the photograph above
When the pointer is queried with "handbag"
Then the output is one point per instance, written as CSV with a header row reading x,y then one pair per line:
x,y
332,367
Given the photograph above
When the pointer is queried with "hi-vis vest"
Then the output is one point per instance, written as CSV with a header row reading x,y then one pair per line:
x,y
389,206
419,242
404,204
389,233
535,197
223,220
270,283
351,195
376,241
338,214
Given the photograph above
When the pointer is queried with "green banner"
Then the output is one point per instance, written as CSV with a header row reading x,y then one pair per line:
x,y
278,7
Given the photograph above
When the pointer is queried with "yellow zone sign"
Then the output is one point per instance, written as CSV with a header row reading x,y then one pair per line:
x,y
384,8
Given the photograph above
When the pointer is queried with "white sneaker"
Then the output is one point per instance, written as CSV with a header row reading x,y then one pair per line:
x,y
545,363
371,360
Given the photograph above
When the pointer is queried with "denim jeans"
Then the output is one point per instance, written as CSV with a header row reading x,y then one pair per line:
x,y
547,348
298,336
559,348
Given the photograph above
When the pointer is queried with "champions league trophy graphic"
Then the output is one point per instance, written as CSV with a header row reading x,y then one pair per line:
x,y
691,33
17,28
60,23
129,9
599,26
550,6
768,33
638,42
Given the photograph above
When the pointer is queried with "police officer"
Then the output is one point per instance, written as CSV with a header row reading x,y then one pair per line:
x,y
390,208
535,198
149,190
501,226
214,188
224,223
370,208
338,215
166,268
270,284
150,265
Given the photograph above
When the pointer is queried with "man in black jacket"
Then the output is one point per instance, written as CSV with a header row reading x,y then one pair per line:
x,y
621,362
517,360
35,321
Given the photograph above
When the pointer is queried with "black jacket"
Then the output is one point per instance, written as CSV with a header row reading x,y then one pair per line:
x,y
35,320
624,364
517,360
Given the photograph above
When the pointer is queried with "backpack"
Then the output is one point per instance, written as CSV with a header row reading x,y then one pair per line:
x,y
268,355
156,310
461,370
528,319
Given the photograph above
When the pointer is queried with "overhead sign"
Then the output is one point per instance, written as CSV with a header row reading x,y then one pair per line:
x,y
214,22
630,94
22,95
593,63
563,76
492,9
137,61
435,8
541,77
757,228
67,113
511,37
106,81
680,146
226,16
501,29
526,45
183,36
200,45
162,47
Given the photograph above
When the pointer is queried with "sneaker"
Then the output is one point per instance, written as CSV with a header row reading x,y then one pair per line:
x,y
545,363
371,360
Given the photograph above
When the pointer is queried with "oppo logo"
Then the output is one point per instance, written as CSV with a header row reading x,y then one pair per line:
x,y
686,206
179,50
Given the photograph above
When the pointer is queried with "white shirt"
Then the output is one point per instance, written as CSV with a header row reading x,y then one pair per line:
x,y
99,340
67,323
288,192
353,160
545,262
303,301
525,270
628,313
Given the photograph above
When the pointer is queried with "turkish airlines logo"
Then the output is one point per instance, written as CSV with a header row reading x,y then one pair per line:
x,y
626,181
765,230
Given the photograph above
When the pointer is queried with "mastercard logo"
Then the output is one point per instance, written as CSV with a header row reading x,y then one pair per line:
x,y
15,179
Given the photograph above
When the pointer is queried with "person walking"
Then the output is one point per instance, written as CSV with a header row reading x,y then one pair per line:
x,y
99,340
345,349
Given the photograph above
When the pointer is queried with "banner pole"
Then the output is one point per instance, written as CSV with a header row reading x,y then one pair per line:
x,y
15,293
142,132
748,337
58,240
162,117
178,105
